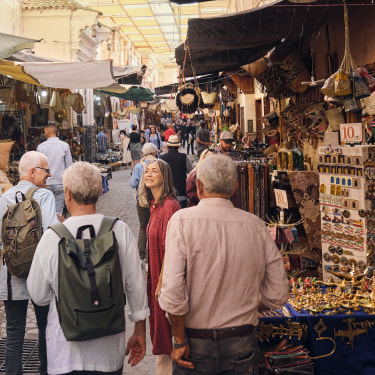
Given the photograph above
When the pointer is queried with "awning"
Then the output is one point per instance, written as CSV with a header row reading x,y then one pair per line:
x,y
64,75
10,44
228,42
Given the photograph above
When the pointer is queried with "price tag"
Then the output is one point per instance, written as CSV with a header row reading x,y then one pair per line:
x,y
351,132
281,198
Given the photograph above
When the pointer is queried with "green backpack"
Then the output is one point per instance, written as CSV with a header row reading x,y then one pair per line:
x,y
90,298
21,231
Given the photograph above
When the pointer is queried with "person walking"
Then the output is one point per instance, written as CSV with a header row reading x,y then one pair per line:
x,y
221,267
102,141
135,146
149,153
34,171
180,165
126,155
59,158
105,354
190,131
154,138
163,204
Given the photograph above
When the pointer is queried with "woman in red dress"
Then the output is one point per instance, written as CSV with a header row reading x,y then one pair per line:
x,y
159,182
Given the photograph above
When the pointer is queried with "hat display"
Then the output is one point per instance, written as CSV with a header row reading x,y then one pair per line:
x,y
173,141
226,135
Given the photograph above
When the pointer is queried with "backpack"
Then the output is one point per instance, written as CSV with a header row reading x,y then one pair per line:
x,y
21,231
90,299
142,192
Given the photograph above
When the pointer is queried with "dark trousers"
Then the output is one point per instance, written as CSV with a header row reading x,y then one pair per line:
x,y
16,312
190,145
235,355
144,217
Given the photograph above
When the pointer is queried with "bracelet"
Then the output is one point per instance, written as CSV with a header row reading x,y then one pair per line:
x,y
179,346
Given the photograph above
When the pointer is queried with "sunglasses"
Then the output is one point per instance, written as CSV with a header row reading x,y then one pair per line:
x,y
45,169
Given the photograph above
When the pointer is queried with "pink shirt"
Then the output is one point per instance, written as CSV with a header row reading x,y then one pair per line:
x,y
219,261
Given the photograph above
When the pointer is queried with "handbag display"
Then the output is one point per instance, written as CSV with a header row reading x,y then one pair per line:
x,y
343,84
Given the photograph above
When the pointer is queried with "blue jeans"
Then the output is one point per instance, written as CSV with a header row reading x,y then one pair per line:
x,y
58,192
229,356
16,312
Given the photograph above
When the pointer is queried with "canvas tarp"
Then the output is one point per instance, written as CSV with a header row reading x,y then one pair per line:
x,y
10,44
65,75
227,42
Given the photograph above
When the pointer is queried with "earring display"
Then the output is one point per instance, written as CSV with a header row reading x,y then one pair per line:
x,y
347,206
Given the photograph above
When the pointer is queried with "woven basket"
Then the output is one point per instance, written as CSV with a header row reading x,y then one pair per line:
x,y
335,118
209,98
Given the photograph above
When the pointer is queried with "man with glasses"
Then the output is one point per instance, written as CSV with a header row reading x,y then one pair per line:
x,y
34,171
59,158
226,142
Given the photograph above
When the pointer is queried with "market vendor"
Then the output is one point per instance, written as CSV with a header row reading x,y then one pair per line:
x,y
226,141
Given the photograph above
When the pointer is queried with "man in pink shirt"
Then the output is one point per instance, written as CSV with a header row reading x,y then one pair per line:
x,y
221,267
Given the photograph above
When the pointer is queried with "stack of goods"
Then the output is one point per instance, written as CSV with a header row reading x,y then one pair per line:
x,y
287,359
346,195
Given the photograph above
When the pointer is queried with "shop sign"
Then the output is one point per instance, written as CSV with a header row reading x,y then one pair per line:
x,y
351,132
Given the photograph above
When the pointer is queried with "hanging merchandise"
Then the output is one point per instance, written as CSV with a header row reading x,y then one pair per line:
x,y
170,103
75,100
329,86
360,87
350,104
370,80
209,97
56,103
187,99
335,118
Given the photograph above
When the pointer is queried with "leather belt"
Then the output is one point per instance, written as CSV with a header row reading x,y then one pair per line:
x,y
222,333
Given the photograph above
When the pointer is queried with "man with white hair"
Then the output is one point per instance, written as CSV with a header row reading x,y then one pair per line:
x,y
34,171
221,266
104,355
149,152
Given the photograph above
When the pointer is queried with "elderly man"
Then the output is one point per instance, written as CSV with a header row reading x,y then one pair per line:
x,y
226,142
34,171
149,152
180,165
221,266
60,158
103,355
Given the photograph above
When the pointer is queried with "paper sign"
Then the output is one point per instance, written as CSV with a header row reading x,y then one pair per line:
x,y
281,198
351,132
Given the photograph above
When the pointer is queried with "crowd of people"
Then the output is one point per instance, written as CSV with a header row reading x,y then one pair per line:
x,y
210,266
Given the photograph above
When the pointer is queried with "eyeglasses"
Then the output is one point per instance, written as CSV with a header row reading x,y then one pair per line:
x,y
45,169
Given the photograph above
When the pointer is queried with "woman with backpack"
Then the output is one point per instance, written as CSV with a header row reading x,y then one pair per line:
x,y
163,204
154,138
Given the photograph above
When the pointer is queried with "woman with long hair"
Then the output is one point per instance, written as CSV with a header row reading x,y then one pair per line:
x,y
163,204
154,138
126,156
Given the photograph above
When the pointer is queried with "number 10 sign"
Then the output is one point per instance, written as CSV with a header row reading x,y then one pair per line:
x,y
351,132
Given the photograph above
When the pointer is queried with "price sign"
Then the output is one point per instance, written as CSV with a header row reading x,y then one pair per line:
x,y
281,198
351,132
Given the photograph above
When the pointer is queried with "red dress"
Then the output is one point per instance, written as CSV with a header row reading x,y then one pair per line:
x,y
160,330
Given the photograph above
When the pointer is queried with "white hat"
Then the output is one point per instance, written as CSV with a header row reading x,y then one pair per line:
x,y
173,141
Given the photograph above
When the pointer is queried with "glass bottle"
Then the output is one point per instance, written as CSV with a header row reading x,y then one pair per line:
x,y
282,158
295,159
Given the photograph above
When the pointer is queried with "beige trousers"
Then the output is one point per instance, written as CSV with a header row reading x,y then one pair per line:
x,y
163,364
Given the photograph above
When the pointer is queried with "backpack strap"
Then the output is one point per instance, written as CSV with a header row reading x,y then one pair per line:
x,y
31,192
107,224
61,230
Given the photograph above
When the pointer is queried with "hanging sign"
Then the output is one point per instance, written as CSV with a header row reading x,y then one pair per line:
x,y
351,132
281,198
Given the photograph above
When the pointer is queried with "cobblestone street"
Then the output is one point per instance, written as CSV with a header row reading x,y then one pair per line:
x,y
118,201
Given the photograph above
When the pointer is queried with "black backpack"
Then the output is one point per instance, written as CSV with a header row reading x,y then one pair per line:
x,y
90,298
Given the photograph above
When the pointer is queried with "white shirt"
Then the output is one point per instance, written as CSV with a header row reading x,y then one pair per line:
x,y
218,261
46,201
104,354
59,158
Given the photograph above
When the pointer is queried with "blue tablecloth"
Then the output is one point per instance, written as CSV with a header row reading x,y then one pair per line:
x,y
359,360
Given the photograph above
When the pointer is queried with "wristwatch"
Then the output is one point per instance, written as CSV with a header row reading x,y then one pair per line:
x,y
179,346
